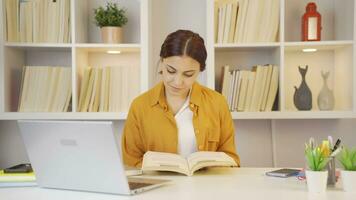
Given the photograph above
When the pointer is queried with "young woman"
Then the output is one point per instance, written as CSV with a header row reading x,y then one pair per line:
x,y
178,115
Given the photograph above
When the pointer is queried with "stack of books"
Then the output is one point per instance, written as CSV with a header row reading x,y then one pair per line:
x,y
45,89
108,89
243,21
17,179
250,91
38,21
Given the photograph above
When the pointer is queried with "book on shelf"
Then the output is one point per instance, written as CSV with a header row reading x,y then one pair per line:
x,y
94,99
108,89
243,90
159,161
241,21
86,89
228,10
262,88
256,94
225,81
267,83
11,22
235,87
45,89
250,90
17,179
37,21
238,89
252,23
251,83
234,12
105,90
273,89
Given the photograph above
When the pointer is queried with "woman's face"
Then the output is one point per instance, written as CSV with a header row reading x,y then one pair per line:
x,y
179,73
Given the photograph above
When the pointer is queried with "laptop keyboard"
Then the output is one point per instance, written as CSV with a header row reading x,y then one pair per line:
x,y
136,185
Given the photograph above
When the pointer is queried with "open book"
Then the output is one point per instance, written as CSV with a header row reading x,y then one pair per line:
x,y
159,161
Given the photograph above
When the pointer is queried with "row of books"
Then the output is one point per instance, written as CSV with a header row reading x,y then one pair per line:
x,y
45,89
38,21
250,91
108,89
242,21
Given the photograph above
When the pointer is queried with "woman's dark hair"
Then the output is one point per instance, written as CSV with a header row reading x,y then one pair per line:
x,y
185,43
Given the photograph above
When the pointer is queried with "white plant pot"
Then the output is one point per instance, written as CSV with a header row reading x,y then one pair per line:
x,y
111,34
316,181
348,180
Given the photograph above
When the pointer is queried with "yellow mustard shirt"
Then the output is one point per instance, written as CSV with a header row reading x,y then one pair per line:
x,y
151,126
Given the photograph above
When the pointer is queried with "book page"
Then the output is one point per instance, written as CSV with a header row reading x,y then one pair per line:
x,y
203,159
160,161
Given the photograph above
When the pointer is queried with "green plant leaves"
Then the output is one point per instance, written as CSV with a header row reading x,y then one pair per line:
x,y
316,159
348,159
110,16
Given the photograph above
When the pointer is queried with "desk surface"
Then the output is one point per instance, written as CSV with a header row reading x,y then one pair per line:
x,y
215,183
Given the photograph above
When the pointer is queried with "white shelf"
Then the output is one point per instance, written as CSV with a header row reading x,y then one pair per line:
x,y
320,45
244,45
294,115
54,45
64,116
105,45
69,45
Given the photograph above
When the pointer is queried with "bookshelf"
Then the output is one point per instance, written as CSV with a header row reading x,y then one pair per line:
x,y
335,53
85,49
147,28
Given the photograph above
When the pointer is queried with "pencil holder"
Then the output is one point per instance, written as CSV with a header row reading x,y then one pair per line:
x,y
331,171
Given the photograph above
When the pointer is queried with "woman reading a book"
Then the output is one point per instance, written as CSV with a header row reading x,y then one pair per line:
x,y
179,115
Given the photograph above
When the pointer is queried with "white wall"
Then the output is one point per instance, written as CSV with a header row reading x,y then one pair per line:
x,y
169,16
290,136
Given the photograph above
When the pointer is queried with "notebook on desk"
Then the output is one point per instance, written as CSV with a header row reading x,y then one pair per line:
x,y
79,155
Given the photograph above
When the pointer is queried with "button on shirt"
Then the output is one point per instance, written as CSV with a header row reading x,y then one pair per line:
x,y
186,136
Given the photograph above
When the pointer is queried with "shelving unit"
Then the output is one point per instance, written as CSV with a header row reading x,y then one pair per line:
x,y
335,53
84,50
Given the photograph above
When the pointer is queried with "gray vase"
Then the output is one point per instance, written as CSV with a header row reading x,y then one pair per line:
x,y
302,95
326,99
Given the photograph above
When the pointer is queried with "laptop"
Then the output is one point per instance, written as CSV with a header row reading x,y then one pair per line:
x,y
79,155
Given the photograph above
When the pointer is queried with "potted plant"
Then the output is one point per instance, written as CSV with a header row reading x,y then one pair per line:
x,y
110,19
316,175
348,175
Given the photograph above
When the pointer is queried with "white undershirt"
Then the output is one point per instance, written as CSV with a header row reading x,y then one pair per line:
x,y
186,135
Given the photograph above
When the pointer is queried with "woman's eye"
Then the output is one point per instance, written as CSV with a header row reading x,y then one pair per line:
x,y
188,75
171,72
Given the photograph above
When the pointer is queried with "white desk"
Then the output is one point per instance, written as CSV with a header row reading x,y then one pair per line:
x,y
217,183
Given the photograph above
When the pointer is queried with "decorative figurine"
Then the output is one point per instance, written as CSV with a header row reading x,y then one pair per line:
x,y
302,95
326,96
